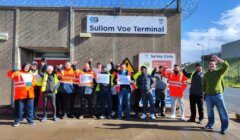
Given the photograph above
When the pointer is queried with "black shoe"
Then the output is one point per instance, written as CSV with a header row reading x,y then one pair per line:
x,y
64,116
191,120
71,116
223,132
163,115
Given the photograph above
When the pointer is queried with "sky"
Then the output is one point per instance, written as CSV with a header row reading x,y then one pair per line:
x,y
215,22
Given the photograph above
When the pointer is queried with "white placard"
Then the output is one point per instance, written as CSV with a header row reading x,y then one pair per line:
x,y
27,78
103,78
86,78
126,24
124,80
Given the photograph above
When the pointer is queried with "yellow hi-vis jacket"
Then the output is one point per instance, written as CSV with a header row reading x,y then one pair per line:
x,y
44,82
37,77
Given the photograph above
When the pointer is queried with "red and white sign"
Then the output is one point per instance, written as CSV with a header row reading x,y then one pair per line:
x,y
151,60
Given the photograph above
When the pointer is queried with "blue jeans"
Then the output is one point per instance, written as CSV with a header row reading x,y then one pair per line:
x,y
146,96
124,95
218,101
24,106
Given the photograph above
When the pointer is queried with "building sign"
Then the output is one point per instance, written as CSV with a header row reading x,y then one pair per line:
x,y
3,36
152,60
126,24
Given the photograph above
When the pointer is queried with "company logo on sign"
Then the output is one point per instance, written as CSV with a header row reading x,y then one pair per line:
x,y
161,21
94,19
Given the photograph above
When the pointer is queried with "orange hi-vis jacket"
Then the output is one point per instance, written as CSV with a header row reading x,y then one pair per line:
x,y
66,76
21,89
177,84
76,79
92,74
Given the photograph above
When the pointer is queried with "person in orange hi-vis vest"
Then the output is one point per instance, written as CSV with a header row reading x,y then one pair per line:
x,y
177,85
66,90
87,82
24,83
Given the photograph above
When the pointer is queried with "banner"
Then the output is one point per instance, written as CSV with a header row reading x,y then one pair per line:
x,y
126,24
86,78
103,78
124,80
152,60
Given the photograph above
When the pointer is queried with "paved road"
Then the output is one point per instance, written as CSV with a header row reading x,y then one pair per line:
x,y
232,99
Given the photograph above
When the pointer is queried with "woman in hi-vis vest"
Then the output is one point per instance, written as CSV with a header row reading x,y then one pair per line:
x,y
24,81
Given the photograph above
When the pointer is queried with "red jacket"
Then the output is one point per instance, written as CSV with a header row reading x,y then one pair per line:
x,y
177,84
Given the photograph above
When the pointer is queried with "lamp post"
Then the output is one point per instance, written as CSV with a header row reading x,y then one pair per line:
x,y
202,54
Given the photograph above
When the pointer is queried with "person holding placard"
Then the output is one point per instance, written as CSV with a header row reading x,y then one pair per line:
x,y
87,81
96,70
123,80
114,70
104,82
145,84
23,94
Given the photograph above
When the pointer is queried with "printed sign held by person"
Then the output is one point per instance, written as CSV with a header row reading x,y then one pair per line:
x,y
103,78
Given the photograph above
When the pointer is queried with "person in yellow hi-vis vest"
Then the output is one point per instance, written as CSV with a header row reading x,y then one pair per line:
x,y
104,82
37,88
50,85
136,95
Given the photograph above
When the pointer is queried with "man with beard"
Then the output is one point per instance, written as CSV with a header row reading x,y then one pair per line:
x,y
177,85
196,94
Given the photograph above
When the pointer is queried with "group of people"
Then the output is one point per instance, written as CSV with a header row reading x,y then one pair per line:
x,y
98,92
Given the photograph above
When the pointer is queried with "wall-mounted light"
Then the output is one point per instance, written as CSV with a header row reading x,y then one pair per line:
x,y
86,35
3,36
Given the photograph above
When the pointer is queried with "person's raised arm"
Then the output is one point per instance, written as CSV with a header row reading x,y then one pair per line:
x,y
225,66
90,63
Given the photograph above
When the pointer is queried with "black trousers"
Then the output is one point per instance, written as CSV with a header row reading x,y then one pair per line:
x,y
137,98
52,97
196,100
96,102
58,103
160,98
114,103
67,103
105,99
89,109
37,91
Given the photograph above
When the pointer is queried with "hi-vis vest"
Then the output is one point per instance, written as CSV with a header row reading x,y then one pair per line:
x,y
38,78
76,79
23,84
44,82
67,76
177,84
